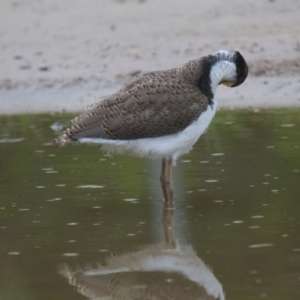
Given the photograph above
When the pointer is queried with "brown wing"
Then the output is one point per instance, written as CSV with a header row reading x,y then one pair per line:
x,y
150,106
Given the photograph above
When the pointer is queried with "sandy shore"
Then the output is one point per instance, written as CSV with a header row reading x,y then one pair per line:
x,y
64,55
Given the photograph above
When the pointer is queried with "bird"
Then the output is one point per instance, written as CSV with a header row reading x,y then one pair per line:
x,y
159,114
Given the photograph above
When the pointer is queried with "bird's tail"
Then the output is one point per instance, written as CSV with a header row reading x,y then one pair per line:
x,y
62,140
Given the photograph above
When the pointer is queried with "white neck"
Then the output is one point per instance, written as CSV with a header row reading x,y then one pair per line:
x,y
222,70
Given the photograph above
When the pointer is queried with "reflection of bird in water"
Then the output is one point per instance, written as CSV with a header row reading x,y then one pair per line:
x,y
160,272
152,273
160,114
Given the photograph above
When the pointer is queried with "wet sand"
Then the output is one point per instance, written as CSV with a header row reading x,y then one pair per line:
x,y
64,55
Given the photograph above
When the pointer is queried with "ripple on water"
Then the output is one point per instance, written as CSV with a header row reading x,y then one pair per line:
x,y
260,245
70,254
16,140
130,199
287,125
54,199
90,186
237,222
218,154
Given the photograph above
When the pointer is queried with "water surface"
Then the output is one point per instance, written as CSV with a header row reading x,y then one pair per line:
x,y
236,203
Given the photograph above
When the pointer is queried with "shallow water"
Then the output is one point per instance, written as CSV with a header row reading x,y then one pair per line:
x,y
236,204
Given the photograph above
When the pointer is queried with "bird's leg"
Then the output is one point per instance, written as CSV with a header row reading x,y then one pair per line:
x,y
168,224
166,179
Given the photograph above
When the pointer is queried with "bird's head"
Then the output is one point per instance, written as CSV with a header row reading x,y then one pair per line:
x,y
233,76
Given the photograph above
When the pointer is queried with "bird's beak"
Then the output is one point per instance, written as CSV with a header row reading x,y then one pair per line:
x,y
229,83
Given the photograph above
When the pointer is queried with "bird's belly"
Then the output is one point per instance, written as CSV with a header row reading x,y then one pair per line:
x,y
173,145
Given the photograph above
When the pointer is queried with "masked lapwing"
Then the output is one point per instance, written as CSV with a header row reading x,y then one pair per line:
x,y
159,114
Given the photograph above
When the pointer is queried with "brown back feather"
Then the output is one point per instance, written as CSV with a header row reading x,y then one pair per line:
x,y
151,105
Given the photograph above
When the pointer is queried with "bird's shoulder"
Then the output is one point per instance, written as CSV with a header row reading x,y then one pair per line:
x,y
163,86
